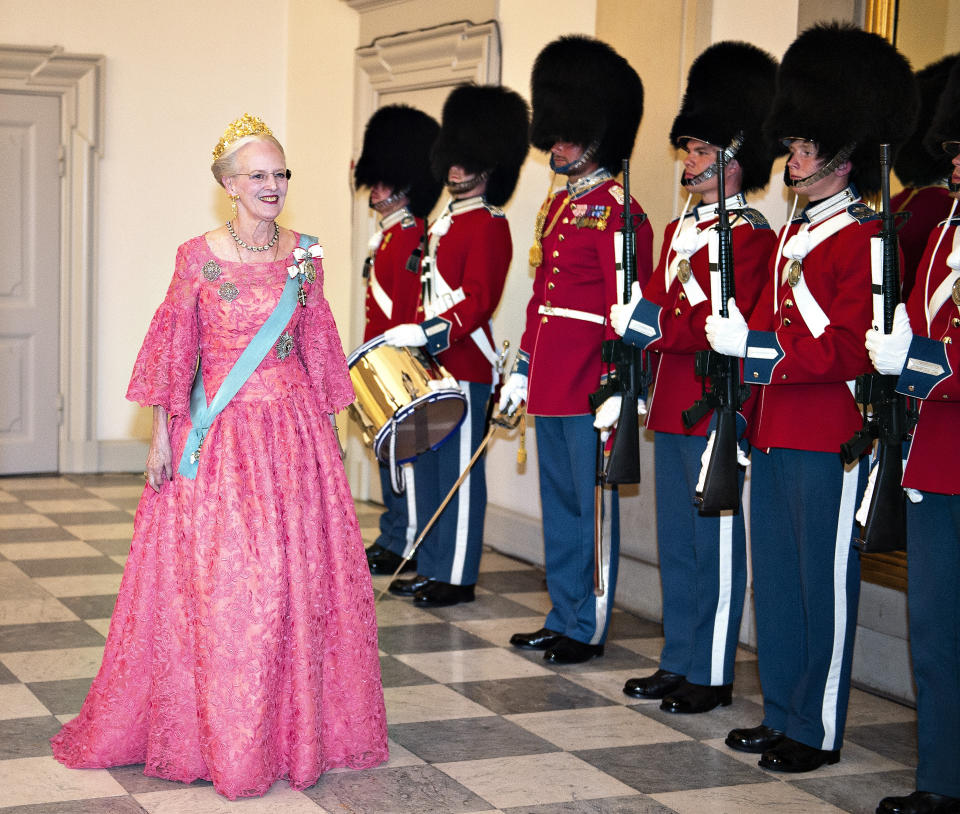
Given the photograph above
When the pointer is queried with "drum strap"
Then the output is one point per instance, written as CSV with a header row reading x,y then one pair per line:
x,y
201,414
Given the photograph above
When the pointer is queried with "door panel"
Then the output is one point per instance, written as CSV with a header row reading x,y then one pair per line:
x,y
29,282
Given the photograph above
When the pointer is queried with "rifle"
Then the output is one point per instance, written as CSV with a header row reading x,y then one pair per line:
x,y
623,463
720,375
892,416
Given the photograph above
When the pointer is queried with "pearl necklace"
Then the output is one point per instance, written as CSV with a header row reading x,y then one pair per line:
x,y
242,245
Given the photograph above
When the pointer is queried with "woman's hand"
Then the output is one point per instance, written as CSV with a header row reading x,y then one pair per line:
x,y
160,456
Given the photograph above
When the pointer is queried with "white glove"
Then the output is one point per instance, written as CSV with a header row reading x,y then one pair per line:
x,y
620,314
607,416
888,352
728,335
407,335
513,393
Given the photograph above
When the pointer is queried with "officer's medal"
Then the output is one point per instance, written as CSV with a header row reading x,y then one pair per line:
x,y
683,270
793,273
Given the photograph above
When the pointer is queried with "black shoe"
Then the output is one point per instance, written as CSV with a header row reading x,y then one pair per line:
x,y
408,587
755,740
374,551
661,683
542,639
920,802
794,757
437,594
569,651
692,698
386,562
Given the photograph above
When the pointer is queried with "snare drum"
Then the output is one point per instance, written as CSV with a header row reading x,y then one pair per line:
x,y
405,400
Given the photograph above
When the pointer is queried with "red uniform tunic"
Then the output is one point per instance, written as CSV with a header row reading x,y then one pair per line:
x,y
927,206
931,371
578,272
473,257
681,324
807,403
400,234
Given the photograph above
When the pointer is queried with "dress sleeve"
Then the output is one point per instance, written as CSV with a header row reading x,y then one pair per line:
x,y
165,366
321,350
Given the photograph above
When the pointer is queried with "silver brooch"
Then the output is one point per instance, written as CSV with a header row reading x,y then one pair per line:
x,y
284,345
229,292
310,271
211,270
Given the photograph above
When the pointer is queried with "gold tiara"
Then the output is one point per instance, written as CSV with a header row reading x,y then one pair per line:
x,y
246,125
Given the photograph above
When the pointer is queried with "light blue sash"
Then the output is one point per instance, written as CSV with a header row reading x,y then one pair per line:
x,y
202,415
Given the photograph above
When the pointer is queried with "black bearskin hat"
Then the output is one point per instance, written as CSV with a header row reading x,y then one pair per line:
x,y
839,85
946,121
396,152
915,166
584,91
484,129
730,90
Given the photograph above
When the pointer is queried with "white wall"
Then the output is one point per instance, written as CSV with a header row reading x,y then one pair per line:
x,y
176,74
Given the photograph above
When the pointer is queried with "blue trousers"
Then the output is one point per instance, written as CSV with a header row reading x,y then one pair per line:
x,y
398,527
703,568
451,551
567,453
806,585
933,575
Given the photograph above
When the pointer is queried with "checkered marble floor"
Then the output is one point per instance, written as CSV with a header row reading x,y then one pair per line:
x,y
475,725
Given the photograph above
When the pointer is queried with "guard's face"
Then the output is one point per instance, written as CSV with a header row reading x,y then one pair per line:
x,y
565,152
955,177
379,192
804,159
700,156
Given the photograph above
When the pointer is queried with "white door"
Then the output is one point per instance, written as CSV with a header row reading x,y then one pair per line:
x,y
29,282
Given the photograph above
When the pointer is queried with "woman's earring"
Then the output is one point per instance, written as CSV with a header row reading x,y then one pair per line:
x,y
233,203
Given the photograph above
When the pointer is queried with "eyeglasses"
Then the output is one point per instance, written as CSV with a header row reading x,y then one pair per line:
x,y
280,176
951,147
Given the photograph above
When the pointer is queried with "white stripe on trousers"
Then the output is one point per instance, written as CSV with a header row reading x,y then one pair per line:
x,y
841,557
721,619
411,489
463,494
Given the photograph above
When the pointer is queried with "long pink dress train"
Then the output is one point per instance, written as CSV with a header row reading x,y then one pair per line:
x,y
243,646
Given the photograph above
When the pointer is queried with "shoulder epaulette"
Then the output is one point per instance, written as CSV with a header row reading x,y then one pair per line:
x,y
861,213
617,192
496,211
752,216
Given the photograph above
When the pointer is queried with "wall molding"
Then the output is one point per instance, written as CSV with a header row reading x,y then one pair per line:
x,y
78,81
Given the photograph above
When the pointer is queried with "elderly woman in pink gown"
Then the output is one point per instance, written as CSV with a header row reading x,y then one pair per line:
x,y
243,646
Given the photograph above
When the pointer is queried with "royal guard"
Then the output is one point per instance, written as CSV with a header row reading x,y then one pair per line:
x,y
841,92
395,166
587,105
701,555
924,175
924,350
478,155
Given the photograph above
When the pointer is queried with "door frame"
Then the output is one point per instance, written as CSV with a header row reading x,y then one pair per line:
x,y
78,81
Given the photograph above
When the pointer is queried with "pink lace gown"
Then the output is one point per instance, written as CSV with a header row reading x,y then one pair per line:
x,y
243,645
